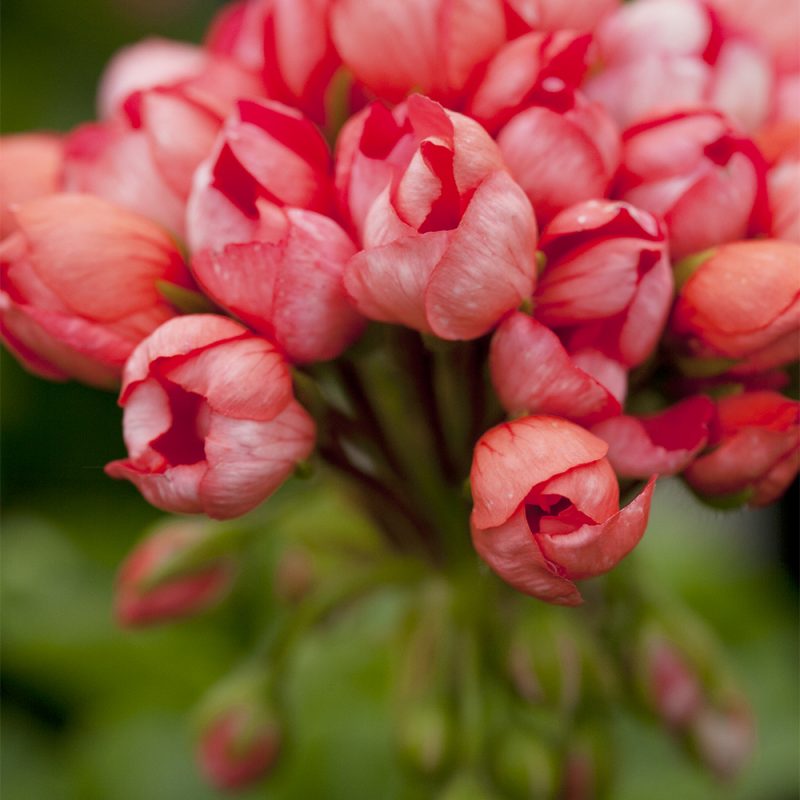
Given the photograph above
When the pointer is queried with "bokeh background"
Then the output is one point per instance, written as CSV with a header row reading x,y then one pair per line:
x,y
90,712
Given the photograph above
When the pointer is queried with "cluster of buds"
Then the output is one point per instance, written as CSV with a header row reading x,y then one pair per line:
x,y
581,215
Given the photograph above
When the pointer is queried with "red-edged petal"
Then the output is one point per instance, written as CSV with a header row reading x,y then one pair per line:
x,y
488,267
512,458
531,371
175,490
664,443
595,549
510,550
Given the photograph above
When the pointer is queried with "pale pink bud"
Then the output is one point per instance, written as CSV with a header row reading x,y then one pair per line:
x,y
210,422
672,685
704,179
724,738
138,603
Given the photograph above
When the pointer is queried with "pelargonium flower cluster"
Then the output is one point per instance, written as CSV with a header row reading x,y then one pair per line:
x,y
594,204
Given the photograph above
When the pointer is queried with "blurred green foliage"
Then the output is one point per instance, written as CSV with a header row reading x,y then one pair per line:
x,y
94,713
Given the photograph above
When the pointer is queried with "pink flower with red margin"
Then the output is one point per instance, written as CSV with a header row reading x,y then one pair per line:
x,y
275,266
705,180
144,157
754,450
213,81
661,56
80,286
546,507
137,603
533,373
607,283
210,421
287,42
741,304
448,236
237,748
30,167
664,443
431,46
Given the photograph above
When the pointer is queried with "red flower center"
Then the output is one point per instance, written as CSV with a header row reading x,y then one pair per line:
x,y
554,513
182,443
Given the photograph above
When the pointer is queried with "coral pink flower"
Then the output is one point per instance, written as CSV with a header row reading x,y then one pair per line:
x,y
81,286
533,373
607,283
556,15
136,603
546,507
210,422
431,46
742,303
237,748
144,158
695,171
278,268
213,81
30,167
755,449
448,236
287,42
663,443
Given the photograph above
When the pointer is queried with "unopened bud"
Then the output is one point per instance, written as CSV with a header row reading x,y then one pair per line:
x,y
723,738
672,686
238,747
294,576
425,736
149,590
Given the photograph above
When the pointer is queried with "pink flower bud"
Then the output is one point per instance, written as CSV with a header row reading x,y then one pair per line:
x,y
430,46
137,603
144,158
30,167
672,685
210,422
546,507
265,152
663,443
533,373
287,41
724,738
238,748
607,283
705,180
80,286
211,80
423,187
755,451
742,303
568,136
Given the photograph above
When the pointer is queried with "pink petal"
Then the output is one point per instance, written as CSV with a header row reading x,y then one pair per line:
x,y
532,372
595,549
175,490
248,459
512,458
483,275
510,550
245,379
664,443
